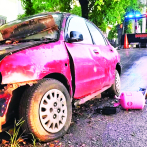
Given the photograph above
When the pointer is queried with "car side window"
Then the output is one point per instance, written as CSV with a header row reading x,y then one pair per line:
x,y
96,34
78,24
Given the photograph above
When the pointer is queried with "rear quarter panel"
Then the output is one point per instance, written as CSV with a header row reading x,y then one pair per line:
x,y
112,57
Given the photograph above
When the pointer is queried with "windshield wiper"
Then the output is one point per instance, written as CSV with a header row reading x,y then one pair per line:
x,y
48,39
44,40
35,40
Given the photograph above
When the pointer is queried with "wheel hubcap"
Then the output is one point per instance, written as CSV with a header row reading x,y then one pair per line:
x,y
53,111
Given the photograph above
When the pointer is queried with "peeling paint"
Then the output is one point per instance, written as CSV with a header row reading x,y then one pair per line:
x,y
6,95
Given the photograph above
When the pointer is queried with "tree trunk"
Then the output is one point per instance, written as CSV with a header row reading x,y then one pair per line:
x,y
84,7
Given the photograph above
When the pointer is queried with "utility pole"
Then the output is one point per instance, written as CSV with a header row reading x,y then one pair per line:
x,y
144,19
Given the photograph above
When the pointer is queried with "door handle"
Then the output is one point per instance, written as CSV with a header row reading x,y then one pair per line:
x,y
96,51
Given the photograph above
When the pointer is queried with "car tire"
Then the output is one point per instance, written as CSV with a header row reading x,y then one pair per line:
x,y
47,110
114,90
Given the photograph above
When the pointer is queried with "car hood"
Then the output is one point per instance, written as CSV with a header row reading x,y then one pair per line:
x,y
11,48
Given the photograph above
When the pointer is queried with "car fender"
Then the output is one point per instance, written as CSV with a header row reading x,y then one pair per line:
x,y
35,63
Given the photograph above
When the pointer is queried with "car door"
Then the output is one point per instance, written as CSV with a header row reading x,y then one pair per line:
x,y
88,73
106,52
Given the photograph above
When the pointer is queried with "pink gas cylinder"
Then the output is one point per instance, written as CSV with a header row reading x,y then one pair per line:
x,y
132,100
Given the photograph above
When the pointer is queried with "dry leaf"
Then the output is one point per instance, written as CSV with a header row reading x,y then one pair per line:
x,y
11,131
20,140
24,142
51,145
4,141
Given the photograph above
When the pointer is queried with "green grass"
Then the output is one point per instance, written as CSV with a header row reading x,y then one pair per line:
x,y
15,136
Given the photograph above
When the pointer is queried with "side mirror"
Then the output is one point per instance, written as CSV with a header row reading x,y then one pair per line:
x,y
75,37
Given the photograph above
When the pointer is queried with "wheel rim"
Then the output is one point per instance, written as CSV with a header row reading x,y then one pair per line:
x,y
117,83
53,111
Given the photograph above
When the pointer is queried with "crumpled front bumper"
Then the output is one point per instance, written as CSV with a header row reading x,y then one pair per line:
x,y
5,99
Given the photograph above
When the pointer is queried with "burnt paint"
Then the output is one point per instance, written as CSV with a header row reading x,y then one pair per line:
x,y
35,63
30,27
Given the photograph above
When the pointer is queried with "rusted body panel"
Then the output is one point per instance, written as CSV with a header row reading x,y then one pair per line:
x,y
5,98
2,122
23,29
35,63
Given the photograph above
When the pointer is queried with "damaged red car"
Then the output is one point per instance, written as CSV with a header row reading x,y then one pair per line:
x,y
49,61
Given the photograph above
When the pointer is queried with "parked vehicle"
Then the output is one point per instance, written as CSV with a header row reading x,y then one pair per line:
x,y
47,61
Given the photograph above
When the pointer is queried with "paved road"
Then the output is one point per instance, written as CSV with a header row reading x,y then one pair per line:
x,y
134,70
124,129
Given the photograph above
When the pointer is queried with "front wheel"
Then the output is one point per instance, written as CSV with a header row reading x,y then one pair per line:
x,y
114,90
47,110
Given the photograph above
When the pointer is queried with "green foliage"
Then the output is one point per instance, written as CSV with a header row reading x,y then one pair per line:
x,y
76,10
15,137
34,140
38,6
20,16
112,33
104,12
28,6
129,27
46,5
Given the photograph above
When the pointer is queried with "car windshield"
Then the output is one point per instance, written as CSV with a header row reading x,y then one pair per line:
x,y
40,26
